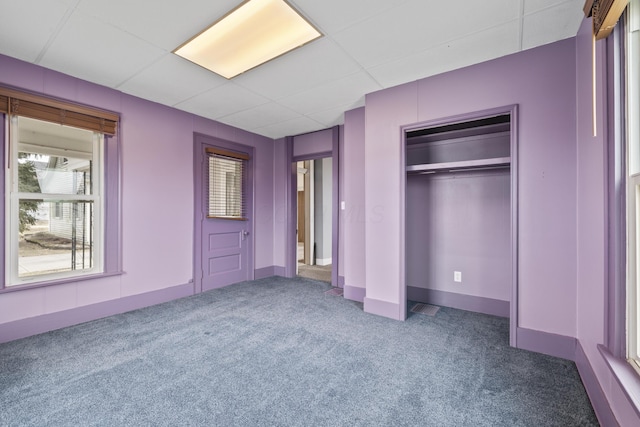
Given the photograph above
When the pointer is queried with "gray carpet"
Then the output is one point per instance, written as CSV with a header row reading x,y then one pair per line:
x,y
278,352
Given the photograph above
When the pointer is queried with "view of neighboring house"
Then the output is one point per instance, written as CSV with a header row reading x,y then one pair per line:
x,y
67,176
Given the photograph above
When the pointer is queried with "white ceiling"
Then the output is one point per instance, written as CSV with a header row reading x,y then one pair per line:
x,y
368,45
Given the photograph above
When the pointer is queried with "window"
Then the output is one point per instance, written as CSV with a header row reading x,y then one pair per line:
x,y
226,184
633,183
62,191
57,210
53,169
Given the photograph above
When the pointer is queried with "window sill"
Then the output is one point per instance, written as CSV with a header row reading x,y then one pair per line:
x,y
625,375
62,281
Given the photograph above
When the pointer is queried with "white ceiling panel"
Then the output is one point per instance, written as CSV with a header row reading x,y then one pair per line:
x,y
25,39
412,28
334,116
368,45
164,23
335,15
165,81
318,62
260,116
531,6
345,91
222,101
552,24
91,50
489,44
292,127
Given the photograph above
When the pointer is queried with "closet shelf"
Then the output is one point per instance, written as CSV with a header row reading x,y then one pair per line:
x,y
497,162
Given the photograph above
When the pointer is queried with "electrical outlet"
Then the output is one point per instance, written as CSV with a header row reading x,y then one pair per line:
x,y
457,276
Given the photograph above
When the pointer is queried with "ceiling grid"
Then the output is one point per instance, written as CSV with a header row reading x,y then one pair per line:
x,y
368,45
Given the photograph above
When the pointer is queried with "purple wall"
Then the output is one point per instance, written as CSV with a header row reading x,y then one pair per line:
x,y
385,112
460,222
353,223
281,173
340,198
157,194
311,144
542,82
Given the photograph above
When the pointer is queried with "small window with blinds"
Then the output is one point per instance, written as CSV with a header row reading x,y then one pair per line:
x,y
227,176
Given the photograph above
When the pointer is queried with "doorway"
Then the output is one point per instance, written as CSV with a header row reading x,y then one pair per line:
x,y
313,146
314,188
223,199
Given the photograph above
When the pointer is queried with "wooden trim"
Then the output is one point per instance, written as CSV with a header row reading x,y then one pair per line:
x,y
227,153
55,111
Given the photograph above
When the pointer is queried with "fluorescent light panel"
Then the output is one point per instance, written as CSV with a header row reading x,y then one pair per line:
x,y
250,35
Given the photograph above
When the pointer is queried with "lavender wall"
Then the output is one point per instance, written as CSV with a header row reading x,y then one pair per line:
x,y
353,223
591,224
310,144
385,112
542,82
282,173
341,172
460,222
157,191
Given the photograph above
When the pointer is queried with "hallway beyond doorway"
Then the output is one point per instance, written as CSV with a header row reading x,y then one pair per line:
x,y
315,272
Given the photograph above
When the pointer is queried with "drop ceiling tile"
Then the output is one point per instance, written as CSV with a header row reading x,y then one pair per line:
x,y
486,45
23,33
318,62
418,25
171,80
93,51
344,91
260,116
335,15
222,101
552,24
164,23
531,6
334,116
292,127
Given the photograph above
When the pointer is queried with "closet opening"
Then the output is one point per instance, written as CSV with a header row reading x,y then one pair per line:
x,y
461,214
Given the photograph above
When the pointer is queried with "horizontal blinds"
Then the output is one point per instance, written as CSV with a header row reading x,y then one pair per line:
x,y
227,174
60,112
606,14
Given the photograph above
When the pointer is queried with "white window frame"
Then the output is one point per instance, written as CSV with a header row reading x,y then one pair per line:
x,y
633,183
12,278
